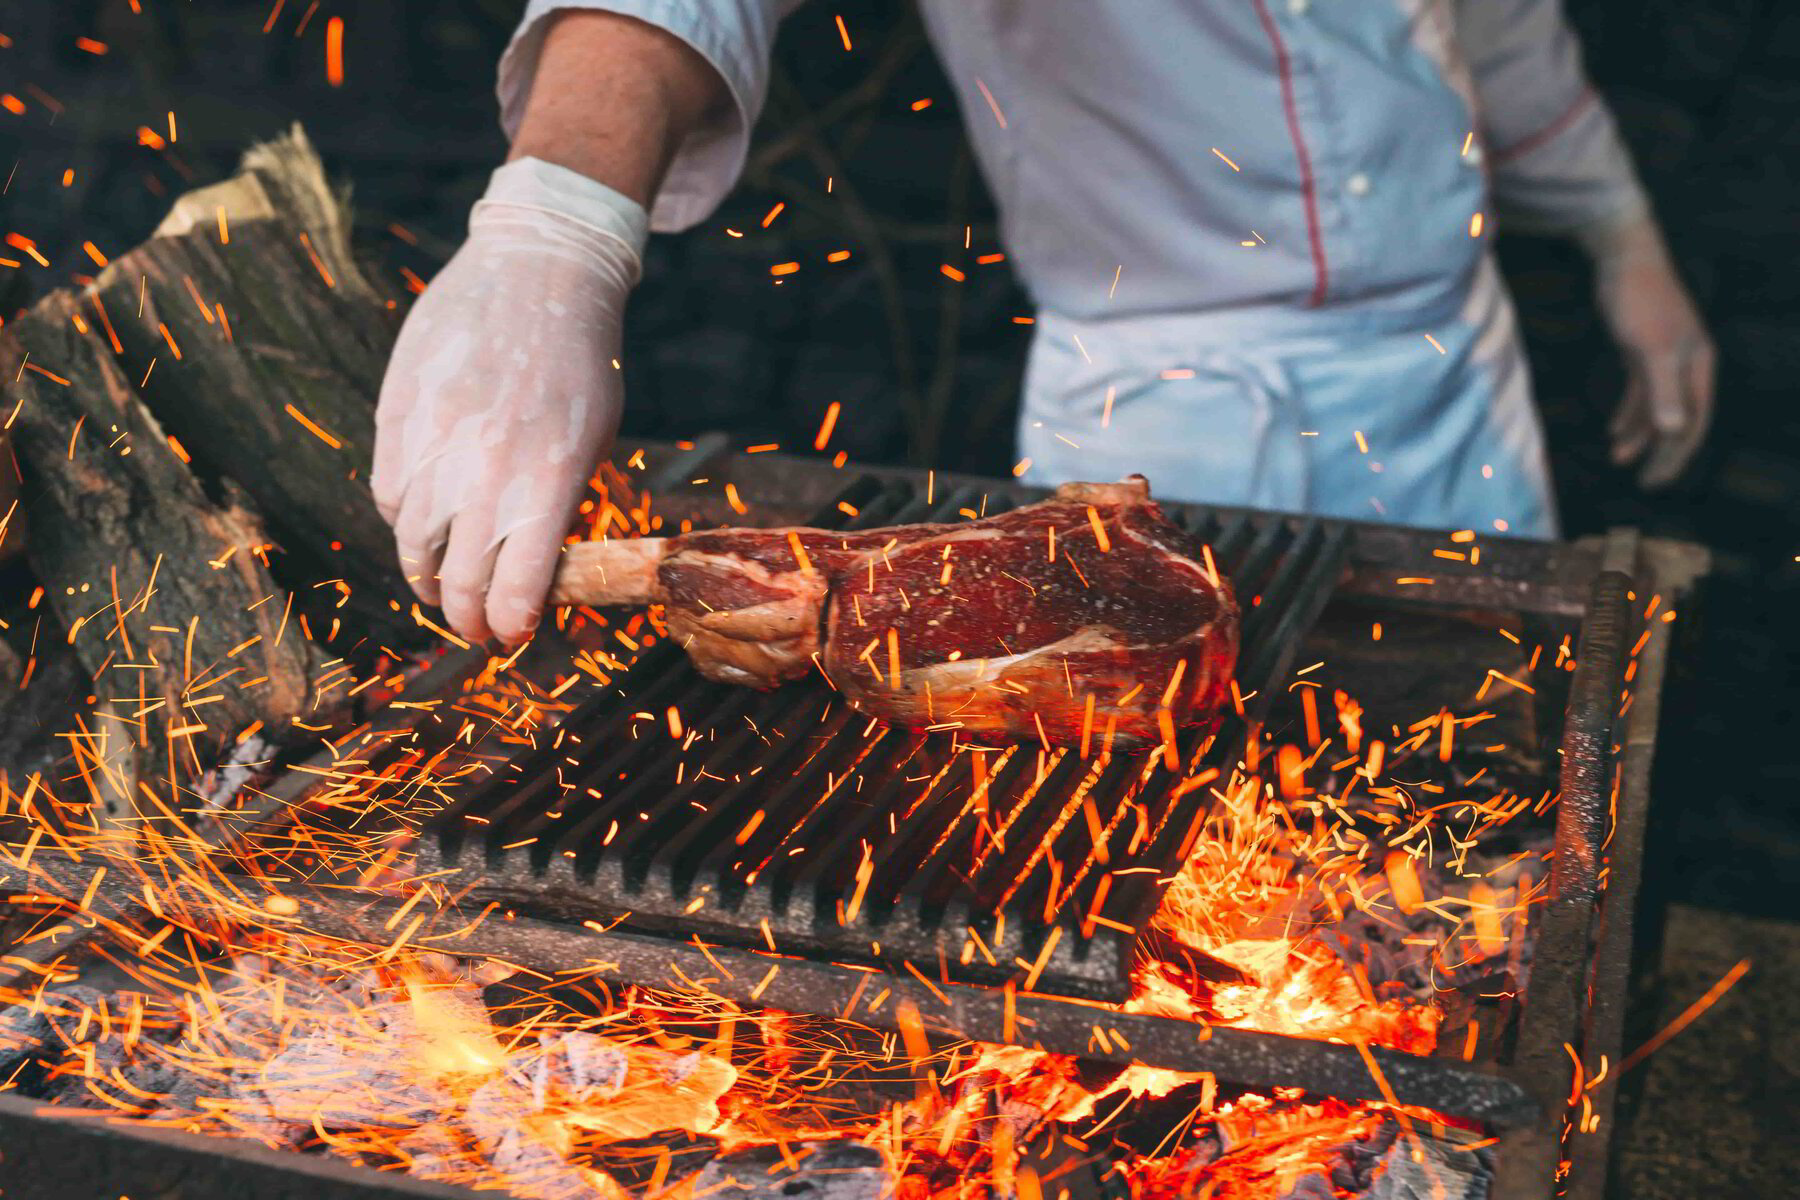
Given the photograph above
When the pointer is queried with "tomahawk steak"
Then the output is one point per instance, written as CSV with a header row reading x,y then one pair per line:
x,y
1084,616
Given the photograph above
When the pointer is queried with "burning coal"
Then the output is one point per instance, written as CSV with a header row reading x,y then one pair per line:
x,y
412,1069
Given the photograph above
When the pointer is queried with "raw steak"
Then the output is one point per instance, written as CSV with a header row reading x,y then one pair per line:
x,y
1084,615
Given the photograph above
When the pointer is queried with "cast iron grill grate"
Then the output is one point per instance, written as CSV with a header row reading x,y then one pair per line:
x,y
788,816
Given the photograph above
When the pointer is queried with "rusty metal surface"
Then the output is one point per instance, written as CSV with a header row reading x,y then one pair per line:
x,y
1670,570
66,1154
1550,578
847,991
1561,970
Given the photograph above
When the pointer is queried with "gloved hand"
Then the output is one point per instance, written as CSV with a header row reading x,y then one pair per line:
x,y
503,393
1669,359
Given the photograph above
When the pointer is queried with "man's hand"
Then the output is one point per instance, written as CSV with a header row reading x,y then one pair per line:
x,y
502,394
1669,359
503,391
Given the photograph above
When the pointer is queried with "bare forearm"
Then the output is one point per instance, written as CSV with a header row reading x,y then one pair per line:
x,y
613,99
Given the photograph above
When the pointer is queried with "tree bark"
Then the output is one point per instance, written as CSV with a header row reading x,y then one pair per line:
x,y
269,347
194,431
165,594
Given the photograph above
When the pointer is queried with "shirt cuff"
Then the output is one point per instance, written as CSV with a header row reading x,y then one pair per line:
x,y
532,183
734,36
1573,175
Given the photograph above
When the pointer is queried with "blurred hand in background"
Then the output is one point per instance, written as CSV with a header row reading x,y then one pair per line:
x,y
1669,358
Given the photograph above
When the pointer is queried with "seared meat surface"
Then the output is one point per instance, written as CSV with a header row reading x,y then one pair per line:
x,y
1086,613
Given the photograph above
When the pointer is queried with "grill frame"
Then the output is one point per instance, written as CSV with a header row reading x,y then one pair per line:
x,y
1525,1101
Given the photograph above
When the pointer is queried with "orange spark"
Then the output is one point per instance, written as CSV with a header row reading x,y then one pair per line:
x,y
1403,882
799,551
1099,527
992,103
823,437
334,52
19,241
1687,1016
313,428
317,262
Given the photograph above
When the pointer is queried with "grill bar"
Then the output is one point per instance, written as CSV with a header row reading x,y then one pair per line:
x,y
1055,1023
1562,960
788,816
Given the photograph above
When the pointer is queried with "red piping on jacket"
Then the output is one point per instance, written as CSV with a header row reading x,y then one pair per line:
x,y
1527,145
1321,275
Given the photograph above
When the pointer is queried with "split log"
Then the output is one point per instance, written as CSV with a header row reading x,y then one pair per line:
x,y
168,604
194,430
269,346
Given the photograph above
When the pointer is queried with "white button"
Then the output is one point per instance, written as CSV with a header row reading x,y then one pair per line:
x,y
1298,7
1473,157
1357,184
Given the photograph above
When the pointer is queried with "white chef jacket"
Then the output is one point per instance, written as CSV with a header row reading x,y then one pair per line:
x,y
1248,226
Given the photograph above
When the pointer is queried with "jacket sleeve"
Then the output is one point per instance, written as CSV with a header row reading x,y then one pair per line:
x,y
735,36
1554,154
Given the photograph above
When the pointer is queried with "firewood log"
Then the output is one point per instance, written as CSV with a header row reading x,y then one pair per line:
x,y
194,430
269,346
162,588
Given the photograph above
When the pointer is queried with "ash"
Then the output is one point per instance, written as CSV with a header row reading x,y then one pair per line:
x,y
404,1074
411,1072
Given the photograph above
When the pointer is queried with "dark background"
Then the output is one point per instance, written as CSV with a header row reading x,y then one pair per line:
x,y
926,369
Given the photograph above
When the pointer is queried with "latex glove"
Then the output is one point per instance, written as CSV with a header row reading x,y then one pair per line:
x,y
1669,358
503,394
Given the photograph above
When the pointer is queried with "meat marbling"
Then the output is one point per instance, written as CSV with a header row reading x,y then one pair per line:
x,y
1004,625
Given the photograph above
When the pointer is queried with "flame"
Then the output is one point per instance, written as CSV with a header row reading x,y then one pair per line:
x,y
456,1037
